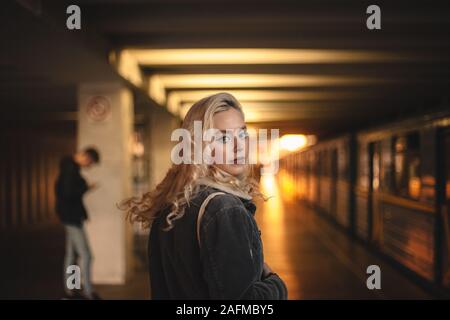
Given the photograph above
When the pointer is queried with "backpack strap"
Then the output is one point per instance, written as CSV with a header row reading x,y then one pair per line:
x,y
201,212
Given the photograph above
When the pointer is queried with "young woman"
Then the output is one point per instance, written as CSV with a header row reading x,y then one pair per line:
x,y
204,241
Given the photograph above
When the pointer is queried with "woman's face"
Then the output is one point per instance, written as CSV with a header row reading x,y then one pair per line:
x,y
231,141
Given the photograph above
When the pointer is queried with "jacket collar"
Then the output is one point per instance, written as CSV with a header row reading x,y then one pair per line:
x,y
234,191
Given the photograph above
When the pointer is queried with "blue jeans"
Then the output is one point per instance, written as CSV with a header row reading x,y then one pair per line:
x,y
76,241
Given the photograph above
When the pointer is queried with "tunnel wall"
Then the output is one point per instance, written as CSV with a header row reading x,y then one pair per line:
x,y
29,166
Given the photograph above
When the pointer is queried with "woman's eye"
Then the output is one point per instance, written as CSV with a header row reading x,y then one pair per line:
x,y
243,134
224,139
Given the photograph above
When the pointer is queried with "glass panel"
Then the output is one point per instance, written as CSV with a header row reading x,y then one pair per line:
x,y
363,167
376,165
407,165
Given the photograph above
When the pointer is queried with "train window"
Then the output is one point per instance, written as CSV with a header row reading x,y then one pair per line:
x,y
343,162
428,147
407,165
447,167
376,167
319,163
363,167
386,156
324,162
327,163
313,163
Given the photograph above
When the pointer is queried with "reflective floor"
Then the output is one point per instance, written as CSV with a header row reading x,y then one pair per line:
x,y
316,259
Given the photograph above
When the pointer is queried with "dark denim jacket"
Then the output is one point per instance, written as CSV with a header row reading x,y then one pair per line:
x,y
229,263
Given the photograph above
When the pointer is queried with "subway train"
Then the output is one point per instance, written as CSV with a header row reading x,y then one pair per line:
x,y
389,187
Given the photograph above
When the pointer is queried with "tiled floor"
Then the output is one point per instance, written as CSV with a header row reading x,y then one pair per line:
x,y
316,260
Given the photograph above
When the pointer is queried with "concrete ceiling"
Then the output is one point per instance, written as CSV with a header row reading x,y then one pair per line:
x,y
305,66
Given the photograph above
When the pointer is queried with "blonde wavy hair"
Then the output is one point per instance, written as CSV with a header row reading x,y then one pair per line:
x,y
179,185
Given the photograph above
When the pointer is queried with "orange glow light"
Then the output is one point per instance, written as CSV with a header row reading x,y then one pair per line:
x,y
292,142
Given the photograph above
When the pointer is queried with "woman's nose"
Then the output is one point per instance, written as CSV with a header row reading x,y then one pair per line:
x,y
239,144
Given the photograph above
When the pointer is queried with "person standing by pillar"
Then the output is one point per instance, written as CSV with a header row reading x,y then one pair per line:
x,y
69,189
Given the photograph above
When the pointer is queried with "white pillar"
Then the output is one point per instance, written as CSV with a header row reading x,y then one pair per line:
x,y
105,121
161,127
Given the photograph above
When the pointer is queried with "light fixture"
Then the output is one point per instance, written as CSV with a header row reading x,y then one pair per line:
x,y
293,142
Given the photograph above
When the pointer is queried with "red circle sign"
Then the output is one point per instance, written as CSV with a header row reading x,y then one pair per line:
x,y
98,108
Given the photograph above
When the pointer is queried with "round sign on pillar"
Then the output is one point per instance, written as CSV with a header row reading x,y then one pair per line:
x,y
98,109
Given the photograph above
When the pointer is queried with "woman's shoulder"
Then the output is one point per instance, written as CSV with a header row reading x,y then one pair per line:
x,y
222,207
220,200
